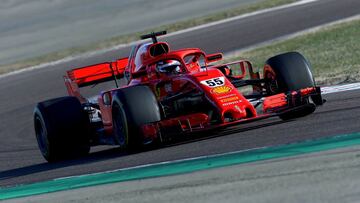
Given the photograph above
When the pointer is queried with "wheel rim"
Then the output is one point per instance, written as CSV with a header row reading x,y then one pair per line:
x,y
40,132
273,86
119,128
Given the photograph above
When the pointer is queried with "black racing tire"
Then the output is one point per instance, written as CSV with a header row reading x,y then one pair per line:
x,y
289,72
292,72
62,129
131,108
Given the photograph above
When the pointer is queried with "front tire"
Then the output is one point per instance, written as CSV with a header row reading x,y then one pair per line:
x,y
132,108
289,72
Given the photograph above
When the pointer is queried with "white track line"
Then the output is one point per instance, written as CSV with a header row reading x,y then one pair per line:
x,y
340,88
94,53
297,3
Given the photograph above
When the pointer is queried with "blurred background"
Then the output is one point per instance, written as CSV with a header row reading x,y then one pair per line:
x,y
31,28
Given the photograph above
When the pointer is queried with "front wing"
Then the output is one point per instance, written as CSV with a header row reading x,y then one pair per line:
x,y
275,105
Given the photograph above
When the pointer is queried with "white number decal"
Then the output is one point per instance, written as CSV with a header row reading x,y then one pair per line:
x,y
214,82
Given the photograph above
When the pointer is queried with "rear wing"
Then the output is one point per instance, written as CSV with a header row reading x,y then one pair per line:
x,y
88,75
97,73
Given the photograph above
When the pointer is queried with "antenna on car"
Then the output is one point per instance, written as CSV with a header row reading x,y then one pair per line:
x,y
153,36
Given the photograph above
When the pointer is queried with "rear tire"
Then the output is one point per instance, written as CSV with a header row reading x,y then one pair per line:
x,y
133,107
289,72
62,129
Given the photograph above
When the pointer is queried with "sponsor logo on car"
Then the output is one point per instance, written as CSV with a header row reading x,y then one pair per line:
x,y
230,103
230,99
226,96
221,89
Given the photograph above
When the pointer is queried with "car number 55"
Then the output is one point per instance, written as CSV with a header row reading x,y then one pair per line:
x,y
214,82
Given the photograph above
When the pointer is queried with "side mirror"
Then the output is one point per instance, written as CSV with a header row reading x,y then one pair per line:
x,y
213,57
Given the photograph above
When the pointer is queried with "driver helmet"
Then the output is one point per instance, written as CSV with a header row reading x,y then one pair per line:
x,y
168,66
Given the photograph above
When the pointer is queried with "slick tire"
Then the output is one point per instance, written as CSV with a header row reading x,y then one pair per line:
x,y
289,72
133,107
62,129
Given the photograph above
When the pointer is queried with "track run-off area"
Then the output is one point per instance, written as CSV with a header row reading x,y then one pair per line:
x,y
21,162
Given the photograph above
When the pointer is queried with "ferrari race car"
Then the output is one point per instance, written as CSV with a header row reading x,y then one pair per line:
x,y
169,93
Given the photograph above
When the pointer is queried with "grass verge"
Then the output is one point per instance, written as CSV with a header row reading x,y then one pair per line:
x,y
134,36
332,51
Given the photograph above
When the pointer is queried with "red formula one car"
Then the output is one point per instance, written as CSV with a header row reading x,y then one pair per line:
x,y
169,93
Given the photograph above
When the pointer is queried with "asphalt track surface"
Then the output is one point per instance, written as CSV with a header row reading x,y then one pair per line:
x,y
328,176
21,162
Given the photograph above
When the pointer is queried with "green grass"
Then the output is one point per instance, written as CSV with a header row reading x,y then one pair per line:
x,y
334,52
135,36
